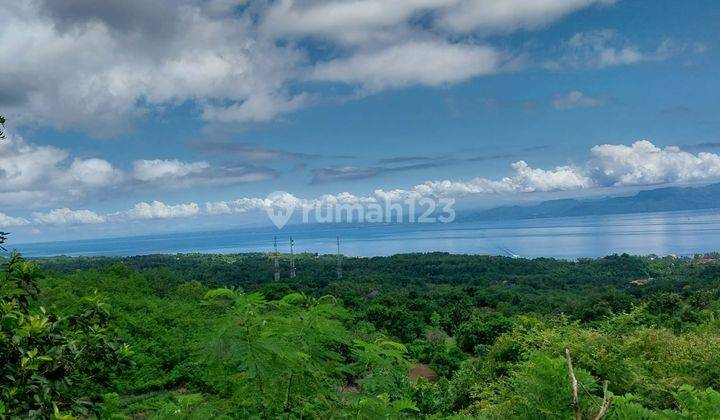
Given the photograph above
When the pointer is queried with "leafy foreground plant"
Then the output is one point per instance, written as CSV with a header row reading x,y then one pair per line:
x,y
51,364
295,357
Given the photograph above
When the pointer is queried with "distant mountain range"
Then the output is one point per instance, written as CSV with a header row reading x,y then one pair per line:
x,y
661,199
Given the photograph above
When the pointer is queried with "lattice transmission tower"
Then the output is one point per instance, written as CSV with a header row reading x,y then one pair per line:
x,y
292,259
277,261
339,260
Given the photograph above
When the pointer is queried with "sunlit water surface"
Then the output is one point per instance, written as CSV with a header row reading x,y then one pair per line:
x,y
679,233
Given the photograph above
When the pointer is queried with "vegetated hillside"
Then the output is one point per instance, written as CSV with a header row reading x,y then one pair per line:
x,y
660,199
197,336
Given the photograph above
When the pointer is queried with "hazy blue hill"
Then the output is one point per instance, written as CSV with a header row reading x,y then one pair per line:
x,y
661,199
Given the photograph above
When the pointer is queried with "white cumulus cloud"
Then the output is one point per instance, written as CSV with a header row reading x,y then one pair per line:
x,y
34,176
524,180
160,210
99,67
640,164
39,176
156,169
93,173
506,15
372,21
241,205
430,63
6,221
65,216
643,163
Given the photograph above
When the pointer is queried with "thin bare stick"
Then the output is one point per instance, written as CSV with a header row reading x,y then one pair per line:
x,y
605,403
574,383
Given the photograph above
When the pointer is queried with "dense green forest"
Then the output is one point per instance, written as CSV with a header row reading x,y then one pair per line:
x,y
417,335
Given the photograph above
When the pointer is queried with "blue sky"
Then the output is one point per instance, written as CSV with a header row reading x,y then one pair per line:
x,y
178,105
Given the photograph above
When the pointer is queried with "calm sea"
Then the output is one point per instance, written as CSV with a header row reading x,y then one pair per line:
x,y
679,233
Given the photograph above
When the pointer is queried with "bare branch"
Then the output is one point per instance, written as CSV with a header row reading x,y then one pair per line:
x,y
574,383
605,402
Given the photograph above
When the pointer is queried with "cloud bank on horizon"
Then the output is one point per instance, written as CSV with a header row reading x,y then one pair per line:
x,y
640,164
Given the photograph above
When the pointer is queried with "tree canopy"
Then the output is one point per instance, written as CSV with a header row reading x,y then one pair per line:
x,y
423,335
